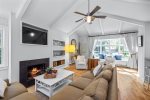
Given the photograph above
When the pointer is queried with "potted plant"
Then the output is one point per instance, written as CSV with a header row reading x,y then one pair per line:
x,y
50,73
49,70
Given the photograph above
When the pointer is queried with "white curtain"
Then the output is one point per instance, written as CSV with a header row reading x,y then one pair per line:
x,y
91,46
131,40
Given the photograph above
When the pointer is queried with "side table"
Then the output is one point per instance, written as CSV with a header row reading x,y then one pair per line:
x,y
92,63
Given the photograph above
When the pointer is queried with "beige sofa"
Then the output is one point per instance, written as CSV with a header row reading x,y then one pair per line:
x,y
17,91
88,87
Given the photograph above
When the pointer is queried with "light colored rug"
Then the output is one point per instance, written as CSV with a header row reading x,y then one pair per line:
x,y
41,96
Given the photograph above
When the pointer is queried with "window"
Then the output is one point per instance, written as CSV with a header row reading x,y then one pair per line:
x,y
111,47
3,46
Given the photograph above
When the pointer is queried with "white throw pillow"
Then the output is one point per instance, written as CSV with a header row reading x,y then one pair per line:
x,y
97,69
3,86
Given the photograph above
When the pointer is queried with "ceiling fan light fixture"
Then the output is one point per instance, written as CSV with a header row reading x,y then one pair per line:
x,y
88,19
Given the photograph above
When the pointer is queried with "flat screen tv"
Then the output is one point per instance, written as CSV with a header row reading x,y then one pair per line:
x,y
33,35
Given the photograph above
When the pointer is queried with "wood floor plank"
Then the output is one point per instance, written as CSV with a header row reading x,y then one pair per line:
x,y
130,86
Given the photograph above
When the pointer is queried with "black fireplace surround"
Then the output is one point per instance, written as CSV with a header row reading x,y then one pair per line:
x,y
32,68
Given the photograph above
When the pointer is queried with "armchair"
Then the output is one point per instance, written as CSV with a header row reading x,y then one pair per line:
x,y
110,60
81,62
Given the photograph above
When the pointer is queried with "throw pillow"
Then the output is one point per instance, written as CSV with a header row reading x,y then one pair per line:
x,y
3,86
106,74
97,70
107,67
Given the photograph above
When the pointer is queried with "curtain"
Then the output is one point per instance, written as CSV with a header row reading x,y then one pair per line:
x,y
91,46
131,40
93,40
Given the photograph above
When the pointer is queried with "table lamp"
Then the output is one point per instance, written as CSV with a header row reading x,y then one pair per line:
x,y
70,48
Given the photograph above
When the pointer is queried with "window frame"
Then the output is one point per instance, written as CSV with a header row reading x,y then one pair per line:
x,y
4,53
109,45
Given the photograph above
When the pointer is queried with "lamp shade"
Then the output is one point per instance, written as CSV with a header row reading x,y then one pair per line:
x,y
70,48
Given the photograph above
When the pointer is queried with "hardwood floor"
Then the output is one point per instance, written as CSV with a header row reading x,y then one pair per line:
x,y
130,87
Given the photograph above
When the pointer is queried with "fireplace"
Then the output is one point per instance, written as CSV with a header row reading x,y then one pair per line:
x,y
32,68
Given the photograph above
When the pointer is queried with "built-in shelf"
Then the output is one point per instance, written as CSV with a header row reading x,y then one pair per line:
x,y
58,53
58,62
58,43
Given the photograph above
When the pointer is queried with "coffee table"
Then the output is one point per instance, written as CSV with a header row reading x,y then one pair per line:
x,y
48,86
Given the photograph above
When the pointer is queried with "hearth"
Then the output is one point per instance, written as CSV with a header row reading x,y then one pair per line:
x,y
32,68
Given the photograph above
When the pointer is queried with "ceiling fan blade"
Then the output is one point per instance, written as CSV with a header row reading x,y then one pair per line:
x,y
100,17
95,10
80,13
79,20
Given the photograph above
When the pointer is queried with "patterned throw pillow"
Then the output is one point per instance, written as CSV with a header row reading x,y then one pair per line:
x,y
3,86
97,70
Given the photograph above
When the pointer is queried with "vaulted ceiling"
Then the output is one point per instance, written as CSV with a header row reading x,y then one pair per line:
x,y
59,14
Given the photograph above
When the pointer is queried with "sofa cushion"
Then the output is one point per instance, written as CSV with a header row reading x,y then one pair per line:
x,y
86,98
101,90
107,67
88,75
14,89
90,89
106,74
97,89
68,93
81,82
25,96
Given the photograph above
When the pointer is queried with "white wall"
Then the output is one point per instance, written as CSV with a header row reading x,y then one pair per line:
x,y
3,73
20,52
141,54
147,40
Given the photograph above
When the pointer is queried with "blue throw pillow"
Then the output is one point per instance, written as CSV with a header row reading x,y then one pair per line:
x,y
101,56
118,57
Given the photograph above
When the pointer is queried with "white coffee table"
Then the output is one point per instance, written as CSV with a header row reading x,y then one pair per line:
x,y
48,86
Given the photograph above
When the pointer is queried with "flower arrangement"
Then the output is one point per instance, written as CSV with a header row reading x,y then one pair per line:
x,y
50,73
49,70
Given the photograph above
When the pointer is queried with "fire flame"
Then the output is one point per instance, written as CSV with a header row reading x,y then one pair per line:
x,y
34,71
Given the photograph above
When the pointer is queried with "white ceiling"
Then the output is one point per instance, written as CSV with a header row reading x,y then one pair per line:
x,y
46,12
7,6
59,14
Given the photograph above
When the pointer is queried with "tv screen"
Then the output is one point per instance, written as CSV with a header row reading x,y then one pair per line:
x,y
33,35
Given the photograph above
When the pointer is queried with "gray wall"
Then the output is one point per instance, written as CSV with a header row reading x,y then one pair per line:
x,y
84,46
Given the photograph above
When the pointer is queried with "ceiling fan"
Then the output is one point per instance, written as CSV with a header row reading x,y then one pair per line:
x,y
89,17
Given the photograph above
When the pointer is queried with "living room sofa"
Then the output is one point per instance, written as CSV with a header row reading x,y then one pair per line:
x,y
17,91
87,87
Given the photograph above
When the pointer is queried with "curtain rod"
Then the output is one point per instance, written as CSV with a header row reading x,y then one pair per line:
x,y
114,34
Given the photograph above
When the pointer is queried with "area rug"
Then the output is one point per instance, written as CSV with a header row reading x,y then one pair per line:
x,y
77,73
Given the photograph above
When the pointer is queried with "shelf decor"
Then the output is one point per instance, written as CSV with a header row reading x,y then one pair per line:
x,y
58,43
